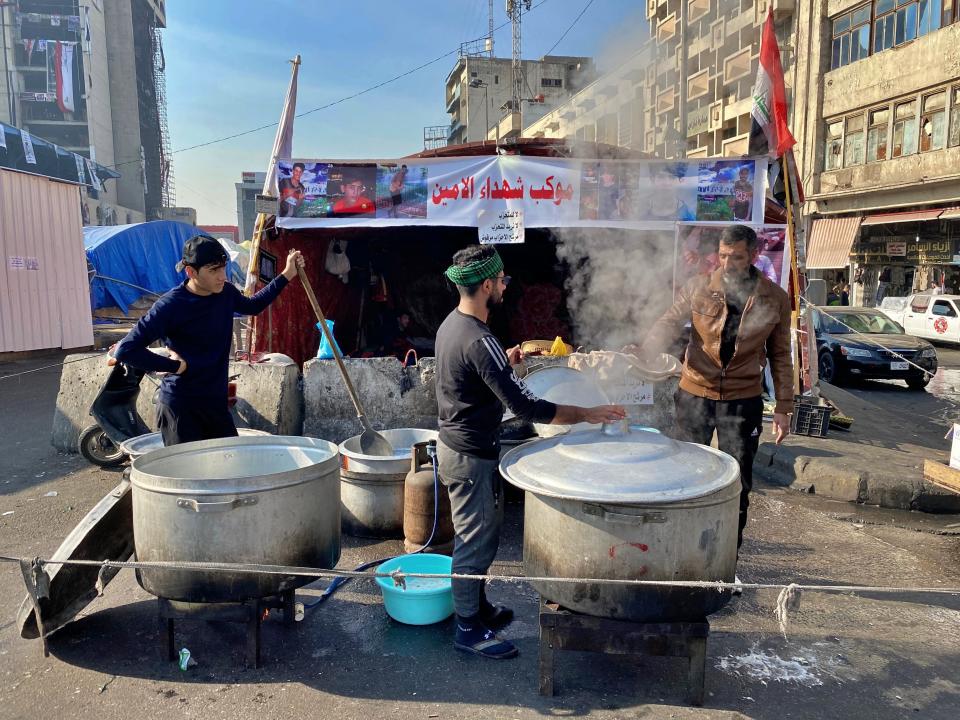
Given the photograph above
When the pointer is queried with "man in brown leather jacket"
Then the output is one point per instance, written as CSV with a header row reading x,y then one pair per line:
x,y
738,320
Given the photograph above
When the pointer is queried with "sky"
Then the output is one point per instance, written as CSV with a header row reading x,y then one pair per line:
x,y
227,72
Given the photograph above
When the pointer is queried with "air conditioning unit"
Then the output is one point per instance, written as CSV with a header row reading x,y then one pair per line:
x,y
715,120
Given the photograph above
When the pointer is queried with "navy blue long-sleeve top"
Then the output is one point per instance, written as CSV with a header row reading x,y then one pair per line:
x,y
198,328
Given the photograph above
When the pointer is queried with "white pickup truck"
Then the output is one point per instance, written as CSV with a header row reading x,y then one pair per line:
x,y
935,317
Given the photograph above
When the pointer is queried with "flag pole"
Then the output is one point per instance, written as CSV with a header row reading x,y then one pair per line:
x,y
282,146
794,280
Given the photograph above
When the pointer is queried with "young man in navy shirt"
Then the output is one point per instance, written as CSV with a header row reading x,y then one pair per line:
x,y
195,322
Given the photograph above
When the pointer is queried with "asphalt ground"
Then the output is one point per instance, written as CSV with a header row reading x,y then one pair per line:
x,y
844,655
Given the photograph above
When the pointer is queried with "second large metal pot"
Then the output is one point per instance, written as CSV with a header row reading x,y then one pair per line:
x,y
371,486
637,506
262,500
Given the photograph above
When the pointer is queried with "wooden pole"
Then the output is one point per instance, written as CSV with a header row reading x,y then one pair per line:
x,y
794,279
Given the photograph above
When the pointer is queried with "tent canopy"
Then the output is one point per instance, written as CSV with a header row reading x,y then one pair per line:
x,y
143,255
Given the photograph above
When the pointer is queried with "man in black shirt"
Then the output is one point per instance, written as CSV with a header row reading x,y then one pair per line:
x,y
475,382
195,321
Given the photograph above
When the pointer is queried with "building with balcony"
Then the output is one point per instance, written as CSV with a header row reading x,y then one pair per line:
x,y
878,87
479,93
661,104
90,78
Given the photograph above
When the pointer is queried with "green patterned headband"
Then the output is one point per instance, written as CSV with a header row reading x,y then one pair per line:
x,y
475,272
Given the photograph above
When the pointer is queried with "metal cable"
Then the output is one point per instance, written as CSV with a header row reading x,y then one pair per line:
x,y
400,577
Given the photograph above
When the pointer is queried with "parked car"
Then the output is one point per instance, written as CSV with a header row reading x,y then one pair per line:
x,y
935,317
856,342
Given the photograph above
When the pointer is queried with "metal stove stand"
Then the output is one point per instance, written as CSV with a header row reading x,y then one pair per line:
x,y
251,612
561,629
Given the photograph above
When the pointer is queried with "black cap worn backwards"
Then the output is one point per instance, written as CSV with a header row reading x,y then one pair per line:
x,y
201,250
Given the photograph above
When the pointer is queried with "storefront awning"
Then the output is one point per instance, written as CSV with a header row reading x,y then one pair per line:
x,y
951,214
900,217
830,242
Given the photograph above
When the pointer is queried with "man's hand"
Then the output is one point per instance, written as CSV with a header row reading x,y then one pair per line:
x,y
294,260
781,425
515,355
604,414
183,363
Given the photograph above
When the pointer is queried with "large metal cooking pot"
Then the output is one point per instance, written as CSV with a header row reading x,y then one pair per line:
x,y
371,487
629,506
267,500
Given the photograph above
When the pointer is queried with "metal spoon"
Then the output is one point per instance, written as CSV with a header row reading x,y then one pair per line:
x,y
371,442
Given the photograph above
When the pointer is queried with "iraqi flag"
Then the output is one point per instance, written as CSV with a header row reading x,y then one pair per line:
x,y
769,132
63,67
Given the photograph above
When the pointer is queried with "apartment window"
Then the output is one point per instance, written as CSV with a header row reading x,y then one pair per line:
x,y
550,82
906,21
853,141
851,37
834,149
883,26
931,14
955,117
878,123
473,74
905,129
933,122
496,79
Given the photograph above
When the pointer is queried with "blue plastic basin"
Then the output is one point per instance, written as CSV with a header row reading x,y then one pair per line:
x,y
425,600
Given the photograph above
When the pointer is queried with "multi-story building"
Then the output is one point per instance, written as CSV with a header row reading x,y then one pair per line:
x,y
89,76
250,185
479,93
657,102
186,215
878,88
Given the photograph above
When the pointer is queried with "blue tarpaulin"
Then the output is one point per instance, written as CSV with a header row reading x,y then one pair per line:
x,y
144,255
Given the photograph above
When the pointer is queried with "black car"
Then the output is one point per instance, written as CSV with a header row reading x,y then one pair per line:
x,y
863,343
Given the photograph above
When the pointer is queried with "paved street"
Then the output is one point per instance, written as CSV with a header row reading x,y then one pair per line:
x,y
844,656
929,413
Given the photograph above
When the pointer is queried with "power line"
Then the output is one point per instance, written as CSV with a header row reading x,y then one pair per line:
x,y
575,21
330,104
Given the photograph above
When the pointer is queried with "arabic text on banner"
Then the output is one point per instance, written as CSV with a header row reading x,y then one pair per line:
x,y
551,192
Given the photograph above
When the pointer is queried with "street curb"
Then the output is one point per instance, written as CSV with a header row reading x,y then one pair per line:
x,y
830,477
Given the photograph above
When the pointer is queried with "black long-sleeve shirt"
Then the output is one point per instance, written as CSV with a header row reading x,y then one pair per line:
x,y
474,384
198,328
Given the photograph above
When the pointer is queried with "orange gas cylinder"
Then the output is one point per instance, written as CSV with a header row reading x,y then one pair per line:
x,y
418,506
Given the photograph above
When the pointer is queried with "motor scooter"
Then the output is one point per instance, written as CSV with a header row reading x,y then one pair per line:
x,y
115,411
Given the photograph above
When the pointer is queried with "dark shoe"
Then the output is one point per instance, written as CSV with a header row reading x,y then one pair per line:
x,y
496,617
478,639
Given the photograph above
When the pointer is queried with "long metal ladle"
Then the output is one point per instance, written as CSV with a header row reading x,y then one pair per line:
x,y
371,442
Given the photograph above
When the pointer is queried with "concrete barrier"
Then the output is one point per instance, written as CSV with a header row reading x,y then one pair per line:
x,y
269,398
329,414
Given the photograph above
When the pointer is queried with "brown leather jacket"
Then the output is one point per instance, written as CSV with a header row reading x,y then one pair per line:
x,y
764,333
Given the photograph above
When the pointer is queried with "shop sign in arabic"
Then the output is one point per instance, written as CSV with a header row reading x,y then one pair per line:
x,y
933,251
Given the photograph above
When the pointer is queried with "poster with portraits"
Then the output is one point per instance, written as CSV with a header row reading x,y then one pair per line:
x,y
549,192
698,244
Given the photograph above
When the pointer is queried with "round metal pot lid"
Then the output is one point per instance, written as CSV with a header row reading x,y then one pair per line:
x,y
564,386
619,467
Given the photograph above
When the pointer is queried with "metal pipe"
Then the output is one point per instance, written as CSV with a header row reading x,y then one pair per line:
x,y
6,65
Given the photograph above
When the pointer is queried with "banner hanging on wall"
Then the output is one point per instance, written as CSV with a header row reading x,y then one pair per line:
x,y
698,244
549,192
